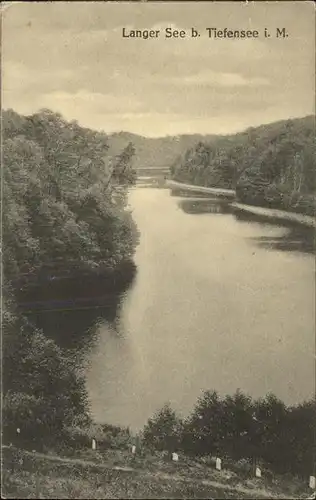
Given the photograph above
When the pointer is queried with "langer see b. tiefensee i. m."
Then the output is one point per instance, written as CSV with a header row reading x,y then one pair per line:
x,y
171,32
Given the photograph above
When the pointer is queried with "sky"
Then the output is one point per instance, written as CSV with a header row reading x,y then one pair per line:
x,y
71,57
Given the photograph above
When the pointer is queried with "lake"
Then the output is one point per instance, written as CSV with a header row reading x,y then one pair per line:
x,y
217,303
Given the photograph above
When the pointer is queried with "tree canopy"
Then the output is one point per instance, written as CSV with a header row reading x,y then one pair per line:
x,y
271,165
236,426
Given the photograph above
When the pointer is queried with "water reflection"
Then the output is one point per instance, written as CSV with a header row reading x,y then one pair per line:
x,y
75,328
297,239
294,238
202,206
70,311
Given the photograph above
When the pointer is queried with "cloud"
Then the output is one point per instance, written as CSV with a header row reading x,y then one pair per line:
x,y
18,76
215,79
92,101
71,57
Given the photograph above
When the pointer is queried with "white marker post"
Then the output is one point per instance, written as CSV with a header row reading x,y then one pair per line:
x,y
218,464
258,472
175,457
133,449
94,444
312,482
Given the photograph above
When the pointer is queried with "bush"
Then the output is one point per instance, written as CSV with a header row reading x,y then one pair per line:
x,y
43,391
163,431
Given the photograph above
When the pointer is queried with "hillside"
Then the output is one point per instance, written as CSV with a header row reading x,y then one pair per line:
x,y
117,474
155,152
272,165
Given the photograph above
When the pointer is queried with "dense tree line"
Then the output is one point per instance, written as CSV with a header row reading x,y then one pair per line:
x,y
271,165
263,431
63,202
65,214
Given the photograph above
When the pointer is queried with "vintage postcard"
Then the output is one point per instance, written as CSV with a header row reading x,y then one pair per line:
x,y
158,249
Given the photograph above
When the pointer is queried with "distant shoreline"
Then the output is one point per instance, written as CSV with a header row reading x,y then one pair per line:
x,y
229,193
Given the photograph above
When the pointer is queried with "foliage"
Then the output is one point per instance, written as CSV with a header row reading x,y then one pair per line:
x,y
64,202
65,214
163,431
271,165
240,428
43,390
202,430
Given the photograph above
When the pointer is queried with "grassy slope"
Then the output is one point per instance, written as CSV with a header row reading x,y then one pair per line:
x,y
116,474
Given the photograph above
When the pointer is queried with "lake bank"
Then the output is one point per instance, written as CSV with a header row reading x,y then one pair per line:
x,y
278,215
229,194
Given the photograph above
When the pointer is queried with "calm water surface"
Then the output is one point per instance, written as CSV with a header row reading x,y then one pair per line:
x,y
215,305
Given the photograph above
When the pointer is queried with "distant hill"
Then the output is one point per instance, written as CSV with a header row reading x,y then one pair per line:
x,y
149,152
155,152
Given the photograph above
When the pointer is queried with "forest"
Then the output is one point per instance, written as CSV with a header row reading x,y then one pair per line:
x,y
271,165
65,215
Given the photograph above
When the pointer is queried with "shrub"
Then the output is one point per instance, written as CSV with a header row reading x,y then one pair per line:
x,y
163,431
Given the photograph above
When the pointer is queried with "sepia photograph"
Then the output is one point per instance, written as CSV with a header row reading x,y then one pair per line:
x,y
158,196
